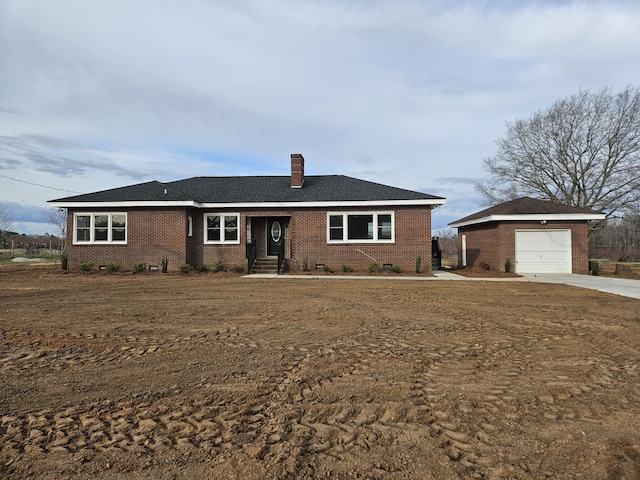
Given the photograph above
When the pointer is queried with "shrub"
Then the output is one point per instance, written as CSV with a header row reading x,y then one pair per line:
x,y
395,269
165,264
203,268
185,268
64,260
139,267
305,264
219,266
594,267
347,269
507,265
113,267
238,269
326,268
86,266
418,264
373,267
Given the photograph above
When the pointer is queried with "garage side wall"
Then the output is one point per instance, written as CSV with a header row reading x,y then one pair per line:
x,y
483,245
493,243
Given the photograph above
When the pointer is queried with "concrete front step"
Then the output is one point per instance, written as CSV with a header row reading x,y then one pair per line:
x,y
265,265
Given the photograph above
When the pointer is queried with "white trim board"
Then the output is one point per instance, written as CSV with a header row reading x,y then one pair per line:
x,y
533,217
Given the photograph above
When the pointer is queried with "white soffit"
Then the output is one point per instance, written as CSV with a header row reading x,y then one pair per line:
x,y
372,203
534,217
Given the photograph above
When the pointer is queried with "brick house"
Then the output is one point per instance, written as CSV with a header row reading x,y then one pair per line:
x,y
535,236
303,222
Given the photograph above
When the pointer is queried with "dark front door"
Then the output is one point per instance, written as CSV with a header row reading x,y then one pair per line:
x,y
275,236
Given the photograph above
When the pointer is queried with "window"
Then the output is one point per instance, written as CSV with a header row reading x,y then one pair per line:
x,y
100,228
221,228
83,228
360,227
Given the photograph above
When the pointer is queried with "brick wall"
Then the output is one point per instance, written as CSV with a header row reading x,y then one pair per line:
x,y
412,239
152,234
492,243
155,233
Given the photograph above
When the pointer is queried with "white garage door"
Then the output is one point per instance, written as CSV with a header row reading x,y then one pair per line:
x,y
543,251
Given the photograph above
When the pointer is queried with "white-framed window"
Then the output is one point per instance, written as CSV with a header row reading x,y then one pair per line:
x,y
360,227
221,228
102,227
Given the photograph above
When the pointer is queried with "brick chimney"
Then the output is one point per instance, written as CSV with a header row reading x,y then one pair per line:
x,y
297,170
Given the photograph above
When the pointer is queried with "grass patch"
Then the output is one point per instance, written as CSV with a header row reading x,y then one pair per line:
x,y
608,268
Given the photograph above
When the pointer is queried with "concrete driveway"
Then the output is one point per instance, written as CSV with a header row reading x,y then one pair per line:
x,y
618,286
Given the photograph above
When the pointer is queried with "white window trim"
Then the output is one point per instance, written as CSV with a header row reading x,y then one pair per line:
x,y
222,240
92,240
375,214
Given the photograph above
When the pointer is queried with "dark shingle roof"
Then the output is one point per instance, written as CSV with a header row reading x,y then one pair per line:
x,y
253,189
524,206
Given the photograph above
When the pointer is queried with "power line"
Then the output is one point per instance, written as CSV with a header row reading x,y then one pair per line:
x,y
38,185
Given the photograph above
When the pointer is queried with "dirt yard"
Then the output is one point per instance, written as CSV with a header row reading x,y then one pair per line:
x,y
123,376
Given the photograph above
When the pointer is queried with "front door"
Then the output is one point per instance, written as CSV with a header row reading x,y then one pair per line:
x,y
275,236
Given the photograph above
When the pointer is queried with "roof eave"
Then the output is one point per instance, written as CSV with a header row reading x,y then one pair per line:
x,y
436,202
323,204
76,204
532,217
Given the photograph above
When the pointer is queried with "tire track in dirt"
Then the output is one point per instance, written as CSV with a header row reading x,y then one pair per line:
x,y
115,425
466,404
57,351
325,394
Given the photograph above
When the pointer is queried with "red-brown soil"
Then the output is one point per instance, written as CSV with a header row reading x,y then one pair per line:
x,y
123,376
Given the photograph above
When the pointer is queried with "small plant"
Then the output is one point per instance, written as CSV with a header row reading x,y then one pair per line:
x,y
203,268
238,269
347,269
64,260
165,264
418,264
507,266
86,266
305,264
219,266
184,268
326,268
114,267
373,267
139,267
395,269
594,267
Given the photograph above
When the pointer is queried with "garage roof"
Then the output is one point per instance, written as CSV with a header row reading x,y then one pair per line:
x,y
526,209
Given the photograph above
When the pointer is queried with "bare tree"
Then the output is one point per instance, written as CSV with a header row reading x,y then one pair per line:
x,y
448,243
619,239
58,218
583,151
6,221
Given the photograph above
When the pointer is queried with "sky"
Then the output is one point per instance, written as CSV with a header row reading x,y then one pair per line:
x,y
414,94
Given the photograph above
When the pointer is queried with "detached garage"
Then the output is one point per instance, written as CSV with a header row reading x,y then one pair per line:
x,y
534,236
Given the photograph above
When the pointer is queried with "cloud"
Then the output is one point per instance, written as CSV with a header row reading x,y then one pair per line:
x,y
413,94
26,213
